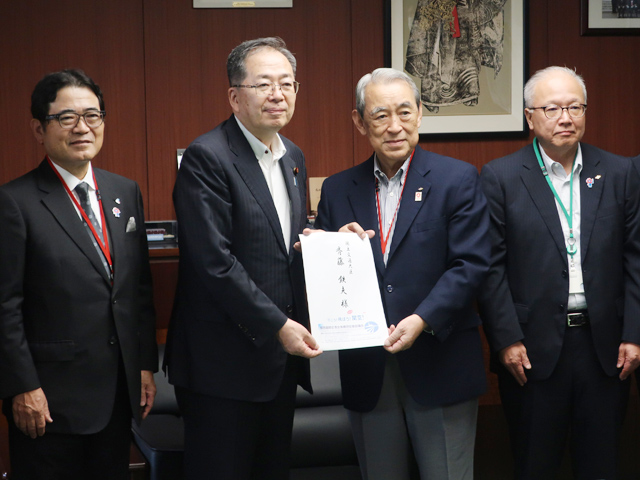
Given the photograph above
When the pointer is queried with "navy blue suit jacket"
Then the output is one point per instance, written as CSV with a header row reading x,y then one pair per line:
x,y
237,283
63,325
525,295
438,257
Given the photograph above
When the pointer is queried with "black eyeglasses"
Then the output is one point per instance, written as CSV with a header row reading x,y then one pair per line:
x,y
267,88
68,120
575,110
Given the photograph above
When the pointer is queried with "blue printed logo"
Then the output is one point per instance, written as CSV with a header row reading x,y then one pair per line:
x,y
371,327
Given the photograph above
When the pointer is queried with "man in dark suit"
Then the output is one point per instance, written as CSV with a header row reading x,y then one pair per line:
x,y
561,305
77,326
431,250
239,328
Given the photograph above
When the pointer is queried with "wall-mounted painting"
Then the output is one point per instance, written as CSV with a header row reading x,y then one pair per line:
x,y
610,17
467,58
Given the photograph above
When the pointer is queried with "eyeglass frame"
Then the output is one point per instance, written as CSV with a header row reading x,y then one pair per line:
x,y
57,116
296,87
562,109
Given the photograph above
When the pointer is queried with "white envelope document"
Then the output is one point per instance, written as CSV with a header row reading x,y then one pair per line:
x,y
342,289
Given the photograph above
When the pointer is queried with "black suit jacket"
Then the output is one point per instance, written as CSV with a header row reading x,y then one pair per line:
x,y
525,296
237,283
438,257
63,326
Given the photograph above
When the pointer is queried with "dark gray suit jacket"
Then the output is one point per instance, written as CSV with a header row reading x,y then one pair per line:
x,y
237,283
525,295
63,326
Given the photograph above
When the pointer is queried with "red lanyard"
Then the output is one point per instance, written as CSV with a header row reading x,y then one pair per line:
x,y
383,240
103,246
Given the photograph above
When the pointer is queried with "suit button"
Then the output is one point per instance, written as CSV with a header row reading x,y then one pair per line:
x,y
288,310
114,302
561,307
389,288
564,274
113,341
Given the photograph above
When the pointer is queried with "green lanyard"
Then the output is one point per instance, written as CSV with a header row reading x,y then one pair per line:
x,y
572,248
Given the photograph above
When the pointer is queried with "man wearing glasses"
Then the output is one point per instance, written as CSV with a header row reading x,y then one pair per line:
x,y
77,325
561,306
239,334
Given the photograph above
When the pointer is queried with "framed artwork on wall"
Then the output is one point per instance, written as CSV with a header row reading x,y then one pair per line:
x,y
610,17
467,58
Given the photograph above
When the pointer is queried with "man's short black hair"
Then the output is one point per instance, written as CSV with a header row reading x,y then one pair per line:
x,y
46,91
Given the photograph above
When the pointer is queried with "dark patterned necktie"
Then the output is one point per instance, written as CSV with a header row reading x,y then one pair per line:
x,y
82,189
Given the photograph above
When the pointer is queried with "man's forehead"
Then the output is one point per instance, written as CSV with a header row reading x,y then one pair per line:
x,y
558,84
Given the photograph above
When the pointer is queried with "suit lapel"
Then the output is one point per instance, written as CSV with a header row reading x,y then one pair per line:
x,y
589,197
249,169
544,200
288,165
116,225
409,207
57,201
363,203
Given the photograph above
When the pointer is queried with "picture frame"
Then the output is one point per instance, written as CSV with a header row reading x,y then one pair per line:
x,y
623,21
457,96
242,3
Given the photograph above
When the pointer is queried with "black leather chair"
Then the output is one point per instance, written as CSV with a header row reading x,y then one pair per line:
x,y
322,446
160,437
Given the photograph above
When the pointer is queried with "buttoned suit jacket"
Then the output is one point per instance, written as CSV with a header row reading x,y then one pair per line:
x,y
237,283
525,295
63,326
438,257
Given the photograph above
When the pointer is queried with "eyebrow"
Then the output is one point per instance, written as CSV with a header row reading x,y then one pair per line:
x,y
70,110
381,109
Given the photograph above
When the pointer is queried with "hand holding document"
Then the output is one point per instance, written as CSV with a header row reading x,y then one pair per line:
x,y
342,289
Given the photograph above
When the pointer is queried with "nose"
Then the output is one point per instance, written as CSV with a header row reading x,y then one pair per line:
x,y
276,93
564,116
394,124
81,125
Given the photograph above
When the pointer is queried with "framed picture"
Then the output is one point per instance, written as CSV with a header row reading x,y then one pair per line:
x,y
467,59
613,17
242,4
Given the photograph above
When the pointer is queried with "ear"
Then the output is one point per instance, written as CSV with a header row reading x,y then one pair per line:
x,y
528,114
38,130
359,123
234,99
419,114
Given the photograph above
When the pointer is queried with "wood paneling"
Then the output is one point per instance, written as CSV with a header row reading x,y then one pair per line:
x,y
104,39
186,52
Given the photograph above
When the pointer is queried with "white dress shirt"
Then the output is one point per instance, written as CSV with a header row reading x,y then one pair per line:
x,y
561,182
269,161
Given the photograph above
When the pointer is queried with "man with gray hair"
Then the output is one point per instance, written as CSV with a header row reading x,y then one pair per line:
x,y
418,395
561,304
239,331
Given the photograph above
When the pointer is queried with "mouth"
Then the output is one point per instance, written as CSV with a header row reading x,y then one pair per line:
x,y
275,111
395,143
80,142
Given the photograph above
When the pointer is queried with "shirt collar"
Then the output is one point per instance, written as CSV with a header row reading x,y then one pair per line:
x,y
380,175
260,150
549,163
72,181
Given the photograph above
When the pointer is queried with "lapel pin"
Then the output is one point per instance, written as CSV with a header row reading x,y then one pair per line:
x,y
590,182
418,197
598,177
118,201
295,176
116,212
